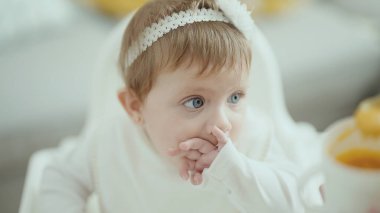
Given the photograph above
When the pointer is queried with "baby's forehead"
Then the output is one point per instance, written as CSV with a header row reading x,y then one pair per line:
x,y
205,69
191,77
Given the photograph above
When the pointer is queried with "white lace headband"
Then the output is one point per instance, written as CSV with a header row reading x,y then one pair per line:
x,y
233,10
157,30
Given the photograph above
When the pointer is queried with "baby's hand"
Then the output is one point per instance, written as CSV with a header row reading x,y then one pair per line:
x,y
198,154
221,137
194,154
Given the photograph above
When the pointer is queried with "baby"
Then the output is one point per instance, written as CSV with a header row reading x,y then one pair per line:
x,y
187,66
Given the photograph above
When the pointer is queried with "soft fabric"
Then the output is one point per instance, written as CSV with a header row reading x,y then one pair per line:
x,y
118,164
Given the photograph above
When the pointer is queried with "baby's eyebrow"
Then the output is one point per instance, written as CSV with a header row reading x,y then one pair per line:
x,y
199,89
205,90
190,89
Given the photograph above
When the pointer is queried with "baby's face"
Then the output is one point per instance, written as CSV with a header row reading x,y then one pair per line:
x,y
182,105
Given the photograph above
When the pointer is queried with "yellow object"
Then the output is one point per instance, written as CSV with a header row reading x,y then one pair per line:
x,y
269,7
367,116
360,158
275,6
345,134
118,8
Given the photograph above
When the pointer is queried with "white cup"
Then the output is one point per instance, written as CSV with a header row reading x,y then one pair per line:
x,y
346,189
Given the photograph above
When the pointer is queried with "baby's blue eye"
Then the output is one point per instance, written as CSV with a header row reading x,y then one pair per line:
x,y
234,98
194,103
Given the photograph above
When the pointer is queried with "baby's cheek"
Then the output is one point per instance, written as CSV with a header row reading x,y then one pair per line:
x,y
161,142
235,132
179,136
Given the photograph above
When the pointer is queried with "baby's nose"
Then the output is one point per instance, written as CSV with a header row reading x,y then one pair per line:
x,y
220,120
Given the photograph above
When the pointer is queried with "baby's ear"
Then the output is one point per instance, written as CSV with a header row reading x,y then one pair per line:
x,y
131,104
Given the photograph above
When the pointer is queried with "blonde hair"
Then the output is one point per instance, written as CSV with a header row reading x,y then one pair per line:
x,y
212,45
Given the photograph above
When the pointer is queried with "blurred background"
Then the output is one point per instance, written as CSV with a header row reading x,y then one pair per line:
x,y
328,51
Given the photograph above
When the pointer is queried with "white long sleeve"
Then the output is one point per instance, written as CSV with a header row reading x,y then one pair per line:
x,y
257,186
66,182
263,186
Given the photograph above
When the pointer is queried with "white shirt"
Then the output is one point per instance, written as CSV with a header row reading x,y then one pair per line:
x,y
117,164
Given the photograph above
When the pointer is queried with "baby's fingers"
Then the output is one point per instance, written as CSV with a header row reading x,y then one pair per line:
x,y
197,144
193,143
220,136
193,155
205,161
184,169
207,147
196,178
